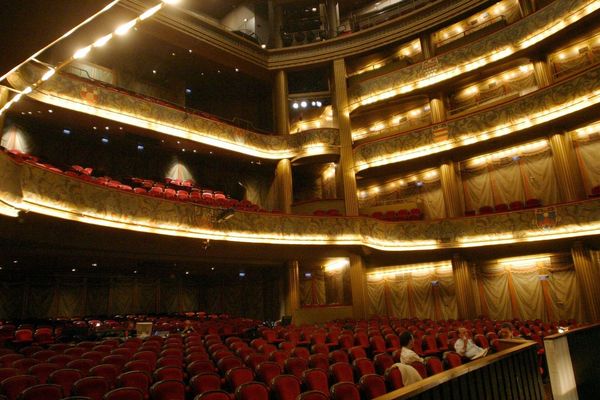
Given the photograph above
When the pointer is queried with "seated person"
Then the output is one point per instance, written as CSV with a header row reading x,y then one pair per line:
x,y
466,348
407,355
506,331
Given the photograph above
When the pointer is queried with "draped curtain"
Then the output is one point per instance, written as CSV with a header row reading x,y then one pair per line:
x,y
412,294
312,289
23,296
587,150
545,288
507,179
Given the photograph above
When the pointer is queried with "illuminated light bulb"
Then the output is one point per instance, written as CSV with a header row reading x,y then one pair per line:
x,y
82,52
123,29
171,2
48,74
103,40
16,98
27,90
151,12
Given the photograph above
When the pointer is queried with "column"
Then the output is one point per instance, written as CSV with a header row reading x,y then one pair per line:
x,y
542,72
292,293
283,182
437,105
3,101
450,188
588,280
275,22
333,18
527,7
340,107
566,168
427,48
358,283
280,103
464,288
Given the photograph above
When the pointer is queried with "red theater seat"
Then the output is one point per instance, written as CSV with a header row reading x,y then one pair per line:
x,y
42,392
252,391
168,390
204,382
372,386
213,395
124,393
285,387
65,377
316,379
13,386
345,391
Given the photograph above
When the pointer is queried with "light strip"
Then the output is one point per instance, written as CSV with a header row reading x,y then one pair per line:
x,y
477,63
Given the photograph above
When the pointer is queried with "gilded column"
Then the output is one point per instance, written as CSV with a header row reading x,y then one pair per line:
x,y
333,19
527,7
588,279
292,294
280,103
358,283
463,288
542,72
283,180
3,101
426,42
450,188
566,168
340,105
437,106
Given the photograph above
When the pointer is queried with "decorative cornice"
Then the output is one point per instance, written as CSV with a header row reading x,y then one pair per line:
x,y
403,28
30,188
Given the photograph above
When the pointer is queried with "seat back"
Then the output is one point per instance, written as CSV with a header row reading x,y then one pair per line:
x,y
316,379
393,378
213,395
313,395
363,366
237,376
93,387
107,371
434,366
252,391
136,379
372,386
14,385
204,382
296,366
124,393
168,390
168,373
285,387
65,377
42,392
341,372
382,362
267,370
345,391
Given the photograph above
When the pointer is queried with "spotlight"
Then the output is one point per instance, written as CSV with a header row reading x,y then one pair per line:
x,y
104,140
74,269
188,91
103,40
82,52
140,147
295,106
319,104
303,104
48,74
66,131
94,265
171,2
263,46
150,12
242,274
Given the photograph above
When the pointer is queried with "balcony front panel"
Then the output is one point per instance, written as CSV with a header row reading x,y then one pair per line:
x,y
568,97
28,187
71,92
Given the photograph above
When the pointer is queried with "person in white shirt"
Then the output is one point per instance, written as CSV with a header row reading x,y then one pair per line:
x,y
407,354
466,348
409,373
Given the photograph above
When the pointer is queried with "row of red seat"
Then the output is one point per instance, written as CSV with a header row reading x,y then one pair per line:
x,y
400,215
503,207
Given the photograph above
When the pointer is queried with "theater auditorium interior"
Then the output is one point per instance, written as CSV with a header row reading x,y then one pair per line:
x,y
300,199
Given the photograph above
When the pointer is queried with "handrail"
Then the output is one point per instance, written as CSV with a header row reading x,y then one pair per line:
x,y
467,32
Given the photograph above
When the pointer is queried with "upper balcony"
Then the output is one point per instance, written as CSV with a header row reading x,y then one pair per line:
x,y
571,98
515,40
104,100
